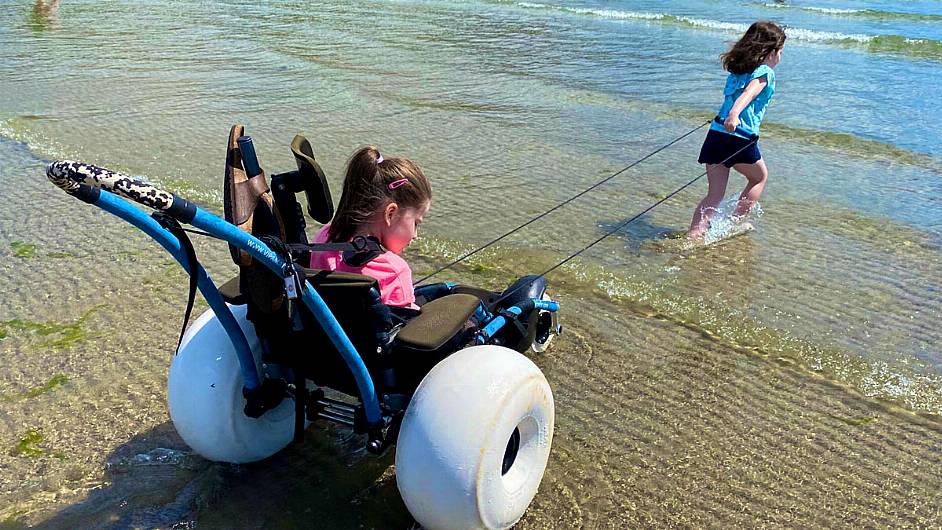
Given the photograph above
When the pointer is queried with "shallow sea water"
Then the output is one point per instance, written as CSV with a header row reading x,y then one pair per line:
x,y
784,378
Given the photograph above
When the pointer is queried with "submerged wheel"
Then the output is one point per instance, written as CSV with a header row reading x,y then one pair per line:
x,y
475,439
204,391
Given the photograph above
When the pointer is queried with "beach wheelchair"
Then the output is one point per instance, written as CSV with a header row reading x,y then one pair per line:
x,y
283,345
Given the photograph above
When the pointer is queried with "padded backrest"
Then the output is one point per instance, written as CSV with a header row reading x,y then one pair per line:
x,y
354,300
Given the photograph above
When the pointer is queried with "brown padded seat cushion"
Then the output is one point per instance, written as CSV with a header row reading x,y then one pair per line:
x,y
231,293
441,319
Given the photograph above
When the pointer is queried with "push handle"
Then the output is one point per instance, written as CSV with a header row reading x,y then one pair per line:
x,y
85,180
249,158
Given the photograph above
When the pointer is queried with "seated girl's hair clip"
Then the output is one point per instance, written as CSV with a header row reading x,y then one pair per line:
x,y
397,183
380,159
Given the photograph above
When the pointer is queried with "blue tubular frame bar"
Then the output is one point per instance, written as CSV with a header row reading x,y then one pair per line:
x,y
119,207
500,321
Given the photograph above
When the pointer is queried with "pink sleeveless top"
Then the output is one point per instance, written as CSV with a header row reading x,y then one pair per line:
x,y
389,269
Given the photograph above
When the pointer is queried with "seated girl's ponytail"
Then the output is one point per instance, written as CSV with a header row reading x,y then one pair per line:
x,y
371,182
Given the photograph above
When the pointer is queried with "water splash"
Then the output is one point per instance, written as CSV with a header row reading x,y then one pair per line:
x,y
159,456
725,223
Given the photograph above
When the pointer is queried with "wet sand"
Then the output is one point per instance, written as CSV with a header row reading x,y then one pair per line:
x,y
704,436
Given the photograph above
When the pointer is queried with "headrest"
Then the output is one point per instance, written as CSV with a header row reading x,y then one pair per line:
x,y
319,204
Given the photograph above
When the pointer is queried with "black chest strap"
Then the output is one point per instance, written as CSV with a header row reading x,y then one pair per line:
x,y
356,253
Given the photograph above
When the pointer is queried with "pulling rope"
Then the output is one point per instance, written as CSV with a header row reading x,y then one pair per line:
x,y
567,201
622,225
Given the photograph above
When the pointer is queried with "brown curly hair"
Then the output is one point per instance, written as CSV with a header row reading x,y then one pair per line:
x,y
366,190
760,40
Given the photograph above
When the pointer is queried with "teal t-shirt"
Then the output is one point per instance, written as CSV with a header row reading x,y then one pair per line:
x,y
751,117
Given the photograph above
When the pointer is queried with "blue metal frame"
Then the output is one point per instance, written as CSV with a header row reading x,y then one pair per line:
x,y
114,204
258,250
499,321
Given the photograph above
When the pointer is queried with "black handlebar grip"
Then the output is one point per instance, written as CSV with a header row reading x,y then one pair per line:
x,y
249,158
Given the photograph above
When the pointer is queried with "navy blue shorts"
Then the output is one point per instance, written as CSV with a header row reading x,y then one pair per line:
x,y
719,146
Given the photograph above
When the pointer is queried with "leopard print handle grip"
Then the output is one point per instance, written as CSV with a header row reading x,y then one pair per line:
x,y
70,176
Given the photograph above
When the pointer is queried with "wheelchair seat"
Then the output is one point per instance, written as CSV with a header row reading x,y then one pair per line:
x,y
440,320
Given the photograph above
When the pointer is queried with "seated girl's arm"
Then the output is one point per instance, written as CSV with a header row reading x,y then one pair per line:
x,y
397,287
752,90
408,289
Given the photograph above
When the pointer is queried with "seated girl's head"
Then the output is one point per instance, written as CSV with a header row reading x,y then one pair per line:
x,y
761,44
382,197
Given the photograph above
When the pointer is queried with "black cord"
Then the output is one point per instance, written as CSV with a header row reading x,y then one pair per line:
x,y
284,248
622,225
567,201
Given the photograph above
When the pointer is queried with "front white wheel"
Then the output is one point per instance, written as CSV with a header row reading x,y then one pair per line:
x,y
475,440
204,391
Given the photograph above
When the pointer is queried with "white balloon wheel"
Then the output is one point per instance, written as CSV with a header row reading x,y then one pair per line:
x,y
204,391
548,319
475,440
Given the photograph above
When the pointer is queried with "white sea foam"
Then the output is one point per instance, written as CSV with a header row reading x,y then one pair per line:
x,y
828,10
731,27
833,10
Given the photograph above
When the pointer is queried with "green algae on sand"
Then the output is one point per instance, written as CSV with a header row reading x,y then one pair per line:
x,y
23,250
53,383
27,444
56,381
56,334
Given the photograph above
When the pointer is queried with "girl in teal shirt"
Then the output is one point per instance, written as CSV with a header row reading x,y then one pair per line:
x,y
733,139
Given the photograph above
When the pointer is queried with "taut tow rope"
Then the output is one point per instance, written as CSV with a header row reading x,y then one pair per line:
x,y
620,226
567,201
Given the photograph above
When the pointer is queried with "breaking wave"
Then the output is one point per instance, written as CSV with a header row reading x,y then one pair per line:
x,y
894,44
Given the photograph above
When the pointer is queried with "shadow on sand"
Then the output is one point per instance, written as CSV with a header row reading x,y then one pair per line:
x,y
154,481
640,231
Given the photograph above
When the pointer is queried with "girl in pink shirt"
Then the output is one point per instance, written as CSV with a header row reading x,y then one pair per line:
x,y
383,198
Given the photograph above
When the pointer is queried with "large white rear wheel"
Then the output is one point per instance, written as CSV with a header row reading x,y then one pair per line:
x,y
204,391
475,440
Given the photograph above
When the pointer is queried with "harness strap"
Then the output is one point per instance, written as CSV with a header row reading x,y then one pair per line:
x,y
173,226
356,253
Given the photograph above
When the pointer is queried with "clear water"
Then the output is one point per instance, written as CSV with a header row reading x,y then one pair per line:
x,y
822,320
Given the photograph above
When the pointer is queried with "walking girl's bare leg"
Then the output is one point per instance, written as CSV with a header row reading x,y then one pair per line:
x,y
717,176
756,176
